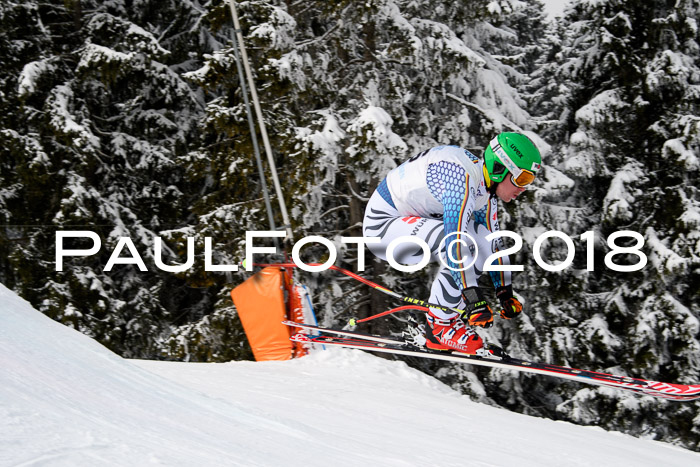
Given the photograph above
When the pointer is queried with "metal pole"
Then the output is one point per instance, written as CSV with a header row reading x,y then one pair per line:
x,y
256,147
261,122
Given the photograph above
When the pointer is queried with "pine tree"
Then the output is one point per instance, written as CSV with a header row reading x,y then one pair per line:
x,y
629,69
98,114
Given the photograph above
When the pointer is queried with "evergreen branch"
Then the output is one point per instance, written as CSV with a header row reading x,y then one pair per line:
x,y
357,195
356,225
347,292
355,304
320,38
496,117
344,206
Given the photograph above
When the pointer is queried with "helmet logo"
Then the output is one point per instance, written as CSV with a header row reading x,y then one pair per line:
x,y
517,151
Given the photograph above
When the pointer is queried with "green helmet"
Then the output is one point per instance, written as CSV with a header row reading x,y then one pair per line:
x,y
515,153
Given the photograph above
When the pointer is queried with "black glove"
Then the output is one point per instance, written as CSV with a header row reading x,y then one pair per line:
x,y
511,306
477,311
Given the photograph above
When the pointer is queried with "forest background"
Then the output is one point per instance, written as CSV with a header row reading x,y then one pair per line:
x,y
126,118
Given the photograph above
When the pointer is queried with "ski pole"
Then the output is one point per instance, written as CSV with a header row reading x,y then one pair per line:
x,y
411,300
355,321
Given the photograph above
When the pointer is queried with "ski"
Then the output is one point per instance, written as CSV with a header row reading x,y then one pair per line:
x,y
355,340
359,335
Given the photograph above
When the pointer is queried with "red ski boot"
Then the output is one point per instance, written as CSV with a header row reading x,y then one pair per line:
x,y
451,334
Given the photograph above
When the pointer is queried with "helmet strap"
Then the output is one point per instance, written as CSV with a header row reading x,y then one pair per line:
x,y
490,184
487,177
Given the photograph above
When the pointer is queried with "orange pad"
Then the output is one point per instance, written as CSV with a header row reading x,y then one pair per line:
x,y
260,304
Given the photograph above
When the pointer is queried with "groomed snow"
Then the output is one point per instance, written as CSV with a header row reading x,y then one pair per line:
x,y
66,400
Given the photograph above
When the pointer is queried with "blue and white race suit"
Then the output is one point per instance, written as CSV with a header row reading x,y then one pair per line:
x,y
432,195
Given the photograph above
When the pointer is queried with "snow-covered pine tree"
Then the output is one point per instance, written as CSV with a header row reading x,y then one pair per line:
x,y
223,174
97,113
22,36
630,70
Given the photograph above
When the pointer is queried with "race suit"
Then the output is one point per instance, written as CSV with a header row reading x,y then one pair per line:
x,y
433,194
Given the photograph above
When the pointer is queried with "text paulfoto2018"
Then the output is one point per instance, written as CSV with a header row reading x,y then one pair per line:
x,y
462,238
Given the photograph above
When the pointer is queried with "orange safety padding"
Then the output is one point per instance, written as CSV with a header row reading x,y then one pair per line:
x,y
260,304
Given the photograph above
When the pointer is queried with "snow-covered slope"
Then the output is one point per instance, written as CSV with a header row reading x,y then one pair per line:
x,y
66,400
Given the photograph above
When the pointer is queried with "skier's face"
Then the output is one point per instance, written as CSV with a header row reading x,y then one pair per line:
x,y
507,191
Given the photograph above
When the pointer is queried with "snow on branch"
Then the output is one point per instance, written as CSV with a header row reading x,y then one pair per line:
x,y
65,122
31,73
621,195
500,122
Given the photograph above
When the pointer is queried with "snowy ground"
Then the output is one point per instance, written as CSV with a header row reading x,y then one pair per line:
x,y
66,400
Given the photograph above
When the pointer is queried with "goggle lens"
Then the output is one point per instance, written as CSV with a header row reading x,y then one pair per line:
x,y
524,178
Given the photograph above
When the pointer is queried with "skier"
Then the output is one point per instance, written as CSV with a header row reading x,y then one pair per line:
x,y
437,195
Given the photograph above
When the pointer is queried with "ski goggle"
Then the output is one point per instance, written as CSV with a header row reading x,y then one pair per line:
x,y
520,177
